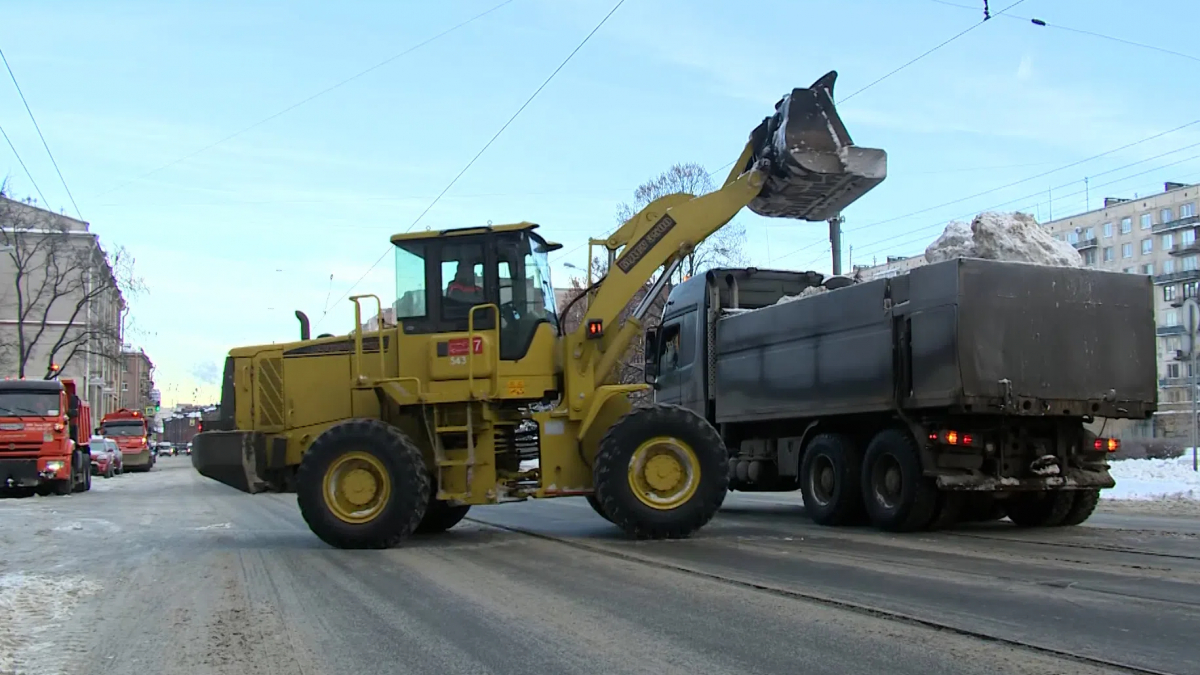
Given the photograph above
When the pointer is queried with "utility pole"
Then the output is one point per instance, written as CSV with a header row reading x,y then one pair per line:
x,y
1193,310
835,242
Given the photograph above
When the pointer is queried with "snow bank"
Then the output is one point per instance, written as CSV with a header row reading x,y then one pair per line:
x,y
1014,237
32,609
1154,479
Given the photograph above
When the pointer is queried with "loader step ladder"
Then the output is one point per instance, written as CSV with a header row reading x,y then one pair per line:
x,y
456,430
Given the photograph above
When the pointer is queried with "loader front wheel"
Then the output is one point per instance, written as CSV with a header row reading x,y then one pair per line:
x,y
661,472
362,484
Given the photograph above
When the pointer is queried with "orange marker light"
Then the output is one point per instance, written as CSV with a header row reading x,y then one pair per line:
x,y
952,437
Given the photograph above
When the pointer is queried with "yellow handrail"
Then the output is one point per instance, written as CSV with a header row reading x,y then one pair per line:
x,y
492,390
358,348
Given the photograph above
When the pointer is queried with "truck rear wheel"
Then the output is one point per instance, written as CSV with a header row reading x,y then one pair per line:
x,y
831,480
1082,506
362,484
661,472
898,496
1039,509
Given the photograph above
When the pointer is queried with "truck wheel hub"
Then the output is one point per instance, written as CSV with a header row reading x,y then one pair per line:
x,y
359,487
663,472
356,487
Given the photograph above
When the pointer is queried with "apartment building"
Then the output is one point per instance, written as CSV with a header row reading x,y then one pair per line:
x,y
137,380
66,321
1153,235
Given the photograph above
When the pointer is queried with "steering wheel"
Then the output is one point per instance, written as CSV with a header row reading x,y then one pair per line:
x,y
508,313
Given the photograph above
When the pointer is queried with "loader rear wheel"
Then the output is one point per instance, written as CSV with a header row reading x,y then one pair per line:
x,y
661,472
898,496
440,516
595,504
362,484
831,476
1039,509
1082,506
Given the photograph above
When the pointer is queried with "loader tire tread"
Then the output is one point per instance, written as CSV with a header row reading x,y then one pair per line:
x,y
614,494
410,485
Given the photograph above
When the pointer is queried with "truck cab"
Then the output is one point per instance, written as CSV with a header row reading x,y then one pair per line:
x,y
129,429
40,447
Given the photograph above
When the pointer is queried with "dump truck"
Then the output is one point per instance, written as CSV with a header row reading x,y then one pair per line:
x,y
45,429
965,389
131,430
403,428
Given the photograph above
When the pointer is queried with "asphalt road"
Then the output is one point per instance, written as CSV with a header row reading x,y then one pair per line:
x,y
168,572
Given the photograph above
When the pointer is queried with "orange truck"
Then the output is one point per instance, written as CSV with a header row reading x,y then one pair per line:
x,y
131,430
45,427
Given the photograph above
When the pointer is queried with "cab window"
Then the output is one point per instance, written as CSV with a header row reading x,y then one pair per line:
x,y
462,280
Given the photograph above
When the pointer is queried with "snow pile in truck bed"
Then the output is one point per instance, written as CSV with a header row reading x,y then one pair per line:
x,y
1154,479
1013,237
811,290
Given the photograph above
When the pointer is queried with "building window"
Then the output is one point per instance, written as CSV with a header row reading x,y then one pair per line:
x,y
1127,250
1108,254
1171,317
1168,241
1108,229
1187,237
1129,270
1191,263
1173,343
1170,292
1172,370
1089,233
1148,269
1168,266
1189,289
1147,246
1126,225
1165,216
1089,257
1072,237
1147,221
1187,210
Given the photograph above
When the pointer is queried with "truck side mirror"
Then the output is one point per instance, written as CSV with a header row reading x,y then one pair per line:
x,y
651,355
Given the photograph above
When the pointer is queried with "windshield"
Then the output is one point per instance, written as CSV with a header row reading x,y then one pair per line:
x,y
410,280
29,403
540,274
124,429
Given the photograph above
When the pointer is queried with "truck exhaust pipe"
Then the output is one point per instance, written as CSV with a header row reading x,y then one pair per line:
x,y
815,168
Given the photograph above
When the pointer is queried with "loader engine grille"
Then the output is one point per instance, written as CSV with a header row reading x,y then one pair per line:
x,y
269,382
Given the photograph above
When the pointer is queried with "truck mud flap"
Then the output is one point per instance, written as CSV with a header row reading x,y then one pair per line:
x,y
816,170
230,457
1075,479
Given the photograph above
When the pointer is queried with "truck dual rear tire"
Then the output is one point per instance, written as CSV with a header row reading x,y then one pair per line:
x,y
661,472
831,480
898,496
1040,509
363,484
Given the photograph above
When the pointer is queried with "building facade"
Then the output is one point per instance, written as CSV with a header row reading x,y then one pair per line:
x,y
1154,235
137,381
60,304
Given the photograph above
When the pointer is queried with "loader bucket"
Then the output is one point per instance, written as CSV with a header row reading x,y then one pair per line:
x,y
230,457
815,169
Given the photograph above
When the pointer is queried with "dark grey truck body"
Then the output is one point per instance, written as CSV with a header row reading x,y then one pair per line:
x,y
1019,356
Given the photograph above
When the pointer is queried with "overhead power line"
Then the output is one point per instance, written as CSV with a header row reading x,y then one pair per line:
x,y
23,167
39,133
928,52
301,102
484,149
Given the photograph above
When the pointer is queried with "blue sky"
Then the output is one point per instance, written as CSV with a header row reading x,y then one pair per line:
x,y
233,239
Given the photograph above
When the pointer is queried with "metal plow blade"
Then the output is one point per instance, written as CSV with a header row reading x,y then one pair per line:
x,y
815,169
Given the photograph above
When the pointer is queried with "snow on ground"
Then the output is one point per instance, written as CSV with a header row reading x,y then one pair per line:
x,y
32,608
1154,479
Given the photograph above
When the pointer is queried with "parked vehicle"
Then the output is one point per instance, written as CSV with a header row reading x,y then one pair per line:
x,y
165,449
957,391
103,456
128,428
43,437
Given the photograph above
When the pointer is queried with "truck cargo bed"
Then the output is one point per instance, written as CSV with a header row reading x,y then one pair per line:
x,y
973,335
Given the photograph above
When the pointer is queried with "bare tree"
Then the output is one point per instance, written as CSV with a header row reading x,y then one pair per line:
x,y
61,283
725,247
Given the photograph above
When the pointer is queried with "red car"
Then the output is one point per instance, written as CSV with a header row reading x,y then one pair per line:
x,y
106,457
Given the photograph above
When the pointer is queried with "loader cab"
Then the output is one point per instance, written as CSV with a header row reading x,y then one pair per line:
x,y
441,276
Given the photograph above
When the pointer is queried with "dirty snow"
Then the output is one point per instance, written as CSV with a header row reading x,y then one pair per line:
x,y
1154,479
811,290
1014,237
530,464
32,609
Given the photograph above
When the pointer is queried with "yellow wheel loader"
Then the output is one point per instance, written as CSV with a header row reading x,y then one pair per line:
x,y
402,426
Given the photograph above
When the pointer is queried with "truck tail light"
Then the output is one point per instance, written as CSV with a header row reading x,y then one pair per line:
x,y
1107,444
955,438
